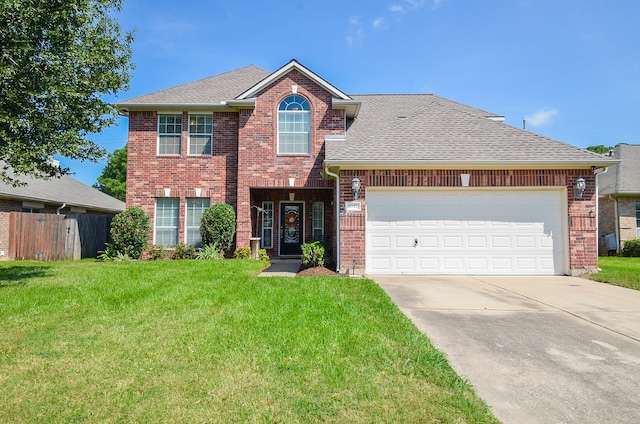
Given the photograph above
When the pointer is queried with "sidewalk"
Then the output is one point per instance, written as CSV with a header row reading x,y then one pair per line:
x,y
282,268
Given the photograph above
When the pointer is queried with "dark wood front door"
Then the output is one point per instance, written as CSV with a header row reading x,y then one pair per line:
x,y
291,225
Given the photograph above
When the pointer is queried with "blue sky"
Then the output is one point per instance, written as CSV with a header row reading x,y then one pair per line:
x,y
571,68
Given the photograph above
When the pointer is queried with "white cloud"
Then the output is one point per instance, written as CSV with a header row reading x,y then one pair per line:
x,y
541,117
379,23
396,8
355,33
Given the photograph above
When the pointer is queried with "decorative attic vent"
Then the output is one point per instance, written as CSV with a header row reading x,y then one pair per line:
x,y
335,137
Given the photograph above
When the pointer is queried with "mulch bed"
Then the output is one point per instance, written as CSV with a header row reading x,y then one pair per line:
x,y
315,271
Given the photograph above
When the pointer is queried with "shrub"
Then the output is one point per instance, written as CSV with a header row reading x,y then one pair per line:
x,y
262,255
209,252
130,232
157,252
182,251
218,225
631,248
313,253
242,253
110,254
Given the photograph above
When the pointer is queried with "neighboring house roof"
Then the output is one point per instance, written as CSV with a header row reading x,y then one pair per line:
x,y
59,191
421,129
211,91
624,177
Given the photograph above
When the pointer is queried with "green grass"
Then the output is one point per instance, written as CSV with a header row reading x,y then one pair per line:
x,y
208,341
624,272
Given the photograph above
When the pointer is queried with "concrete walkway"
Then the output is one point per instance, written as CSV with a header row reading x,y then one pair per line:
x,y
282,268
537,349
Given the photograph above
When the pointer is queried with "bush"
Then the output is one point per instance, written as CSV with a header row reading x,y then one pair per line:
x,y
182,251
242,253
157,252
218,225
263,255
209,252
313,253
631,248
130,232
110,254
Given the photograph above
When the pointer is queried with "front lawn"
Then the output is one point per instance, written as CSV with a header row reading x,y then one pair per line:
x,y
200,341
620,271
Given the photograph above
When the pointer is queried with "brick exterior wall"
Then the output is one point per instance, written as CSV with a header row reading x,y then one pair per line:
x,y
246,169
234,169
260,165
148,174
606,223
583,246
6,207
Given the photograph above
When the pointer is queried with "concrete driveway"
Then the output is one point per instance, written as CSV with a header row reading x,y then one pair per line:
x,y
537,349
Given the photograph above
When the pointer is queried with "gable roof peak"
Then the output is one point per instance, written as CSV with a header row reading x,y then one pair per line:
x,y
293,64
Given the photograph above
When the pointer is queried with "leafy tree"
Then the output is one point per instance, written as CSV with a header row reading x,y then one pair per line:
x,y
218,225
58,59
602,149
130,232
113,179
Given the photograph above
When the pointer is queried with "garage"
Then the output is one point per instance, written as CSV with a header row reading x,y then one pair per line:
x,y
466,231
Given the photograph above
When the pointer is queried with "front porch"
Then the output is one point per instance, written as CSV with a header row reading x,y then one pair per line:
x,y
285,218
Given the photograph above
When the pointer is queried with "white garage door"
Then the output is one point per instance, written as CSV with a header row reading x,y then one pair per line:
x,y
465,232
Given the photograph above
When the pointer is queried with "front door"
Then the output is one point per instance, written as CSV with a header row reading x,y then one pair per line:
x,y
291,225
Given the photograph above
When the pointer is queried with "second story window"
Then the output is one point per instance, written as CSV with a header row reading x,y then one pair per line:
x,y
294,125
169,134
200,134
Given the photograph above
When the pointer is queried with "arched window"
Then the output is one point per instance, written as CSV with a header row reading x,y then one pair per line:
x,y
294,125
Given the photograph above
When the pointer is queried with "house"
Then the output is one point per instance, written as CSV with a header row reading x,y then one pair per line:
x,y
56,196
619,198
394,184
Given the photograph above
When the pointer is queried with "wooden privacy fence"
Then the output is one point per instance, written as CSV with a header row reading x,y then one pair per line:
x,y
48,237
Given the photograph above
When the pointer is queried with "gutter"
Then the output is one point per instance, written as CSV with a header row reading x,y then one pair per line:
x,y
457,164
337,177
61,207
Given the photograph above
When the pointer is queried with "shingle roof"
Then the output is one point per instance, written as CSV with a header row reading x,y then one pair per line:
x,y
623,178
61,190
428,128
397,128
207,91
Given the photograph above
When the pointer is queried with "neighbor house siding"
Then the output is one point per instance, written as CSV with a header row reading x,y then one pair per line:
x,y
582,237
606,224
627,218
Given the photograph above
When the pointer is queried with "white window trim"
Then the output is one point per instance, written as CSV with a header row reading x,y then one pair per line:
x,y
313,227
186,216
264,246
309,143
189,134
637,225
159,134
155,219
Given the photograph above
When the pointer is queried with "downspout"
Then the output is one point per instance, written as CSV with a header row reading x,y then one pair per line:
x,y
61,207
615,214
337,177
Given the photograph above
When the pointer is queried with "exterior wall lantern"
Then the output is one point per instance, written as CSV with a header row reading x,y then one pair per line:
x,y
355,186
579,186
